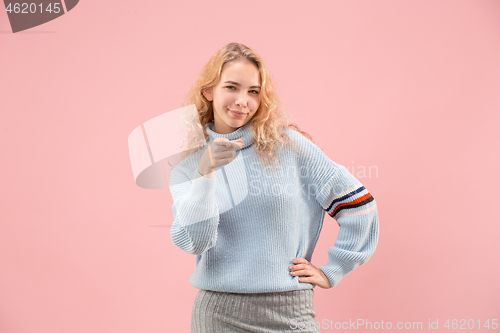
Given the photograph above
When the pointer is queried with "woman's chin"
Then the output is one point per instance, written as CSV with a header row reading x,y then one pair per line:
x,y
235,123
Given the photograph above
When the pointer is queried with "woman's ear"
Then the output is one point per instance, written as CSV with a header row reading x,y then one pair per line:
x,y
208,94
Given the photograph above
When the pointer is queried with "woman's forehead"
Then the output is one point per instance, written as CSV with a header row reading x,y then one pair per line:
x,y
240,72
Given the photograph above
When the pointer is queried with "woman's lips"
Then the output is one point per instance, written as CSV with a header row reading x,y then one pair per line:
x,y
237,114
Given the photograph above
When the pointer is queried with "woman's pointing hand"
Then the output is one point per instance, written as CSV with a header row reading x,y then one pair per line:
x,y
220,152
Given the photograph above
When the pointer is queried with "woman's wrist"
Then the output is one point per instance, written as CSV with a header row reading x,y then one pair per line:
x,y
206,173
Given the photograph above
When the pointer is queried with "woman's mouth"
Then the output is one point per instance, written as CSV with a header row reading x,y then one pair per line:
x,y
237,114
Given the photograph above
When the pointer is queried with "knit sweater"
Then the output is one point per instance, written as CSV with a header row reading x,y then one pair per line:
x,y
247,224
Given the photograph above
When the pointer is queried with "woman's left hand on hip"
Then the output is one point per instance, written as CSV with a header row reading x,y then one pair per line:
x,y
309,273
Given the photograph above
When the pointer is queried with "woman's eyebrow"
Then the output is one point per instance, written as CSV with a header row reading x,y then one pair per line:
x,y
237,84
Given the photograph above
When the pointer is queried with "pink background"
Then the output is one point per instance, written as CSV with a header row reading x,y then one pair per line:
x,y
410,87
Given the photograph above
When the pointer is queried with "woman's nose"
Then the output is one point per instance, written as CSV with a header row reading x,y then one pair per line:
x,y
241,104
242,101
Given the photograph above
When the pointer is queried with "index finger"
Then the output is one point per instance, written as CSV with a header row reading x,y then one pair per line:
x,y
229,144
300,261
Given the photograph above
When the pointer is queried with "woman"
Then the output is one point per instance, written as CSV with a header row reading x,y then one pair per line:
x,y
250,205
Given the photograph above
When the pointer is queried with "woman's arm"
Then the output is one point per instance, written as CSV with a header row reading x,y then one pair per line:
x,y
346,200
196,215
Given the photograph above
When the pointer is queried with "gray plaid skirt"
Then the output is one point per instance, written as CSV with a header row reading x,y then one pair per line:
x,y
221,312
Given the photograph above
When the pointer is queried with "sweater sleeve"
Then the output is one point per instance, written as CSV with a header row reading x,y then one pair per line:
x,y
196,215
346,200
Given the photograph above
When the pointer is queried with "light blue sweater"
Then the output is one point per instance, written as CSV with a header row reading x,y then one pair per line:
x,y
247,224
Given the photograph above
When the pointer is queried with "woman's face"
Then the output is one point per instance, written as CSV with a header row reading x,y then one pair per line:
x,y
236,97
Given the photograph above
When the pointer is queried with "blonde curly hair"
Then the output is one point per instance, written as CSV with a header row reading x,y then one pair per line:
x,y
269,121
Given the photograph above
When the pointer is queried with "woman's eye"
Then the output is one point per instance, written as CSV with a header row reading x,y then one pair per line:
x,y
233,88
